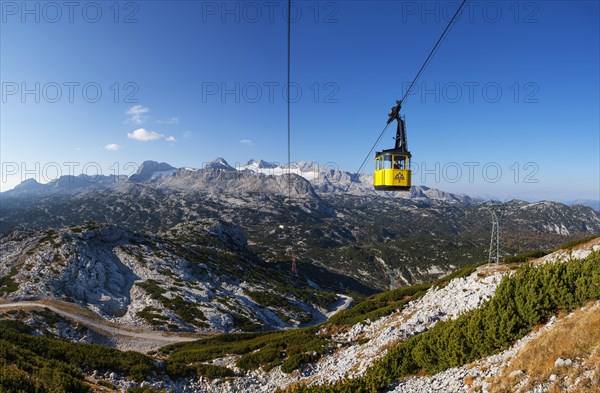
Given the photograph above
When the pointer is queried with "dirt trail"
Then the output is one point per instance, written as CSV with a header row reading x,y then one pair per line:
x,y
343,302
129,339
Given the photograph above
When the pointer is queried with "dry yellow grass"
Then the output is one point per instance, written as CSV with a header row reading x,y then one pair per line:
x,y
590,384
471,365
475,389
96,388
390,345
489,269
577,337
469,380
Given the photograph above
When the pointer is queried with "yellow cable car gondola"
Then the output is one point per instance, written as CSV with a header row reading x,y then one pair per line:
x,y
392,166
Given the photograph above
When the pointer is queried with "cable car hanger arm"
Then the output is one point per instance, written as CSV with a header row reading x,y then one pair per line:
x,y
401,141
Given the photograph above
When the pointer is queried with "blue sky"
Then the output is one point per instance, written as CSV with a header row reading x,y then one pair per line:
x,y
514,88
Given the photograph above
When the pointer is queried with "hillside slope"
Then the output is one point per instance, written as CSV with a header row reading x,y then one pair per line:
x,y
199,277
361,349
524,299
356,349
563,355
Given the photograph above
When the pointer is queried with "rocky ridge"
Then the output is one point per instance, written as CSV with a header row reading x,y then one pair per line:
x,y
197,276
355,355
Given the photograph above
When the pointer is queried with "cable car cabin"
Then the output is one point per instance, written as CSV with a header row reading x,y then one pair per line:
x,y
392,166
392,171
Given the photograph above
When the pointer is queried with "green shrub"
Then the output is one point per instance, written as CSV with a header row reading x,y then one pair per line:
x,y
211,371
265,349
576,242
378,305
526,256
145,389
295,361
187,311
151,315
57,360
107,384
523,300
152,288
267,299
264,356
7,284
245,324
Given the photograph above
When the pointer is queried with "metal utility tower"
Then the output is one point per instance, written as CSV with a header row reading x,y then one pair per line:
x,y
494,255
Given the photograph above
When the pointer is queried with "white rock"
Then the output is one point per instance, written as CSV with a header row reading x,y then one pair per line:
x,y
563,362
516,373
568,362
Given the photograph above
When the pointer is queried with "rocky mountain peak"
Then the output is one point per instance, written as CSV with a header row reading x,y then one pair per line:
x,y
151,169
260,164
71,182
219,163
28,185
152,166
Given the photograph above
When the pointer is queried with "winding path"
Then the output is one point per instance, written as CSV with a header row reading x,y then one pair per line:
x,y
70,312
343,302
142,341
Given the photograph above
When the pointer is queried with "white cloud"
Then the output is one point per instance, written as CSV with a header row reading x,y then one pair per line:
x,y
112,147
173,120
143,135
247,142
187,134
170,138
137,114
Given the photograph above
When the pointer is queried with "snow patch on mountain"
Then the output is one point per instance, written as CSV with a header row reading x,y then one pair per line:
x,y
309,171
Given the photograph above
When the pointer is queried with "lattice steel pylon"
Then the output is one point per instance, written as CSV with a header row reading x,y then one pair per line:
x,y
494,255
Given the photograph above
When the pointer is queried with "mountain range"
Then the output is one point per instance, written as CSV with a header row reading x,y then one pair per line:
x,y
327,218
266,276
